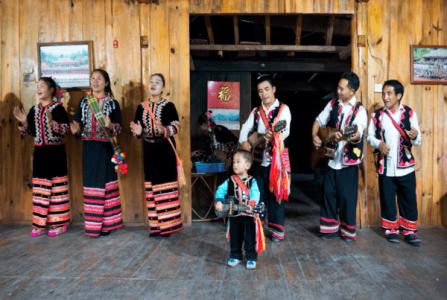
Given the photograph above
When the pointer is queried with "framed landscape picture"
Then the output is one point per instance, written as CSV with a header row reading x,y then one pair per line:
x,y
428,64
68,63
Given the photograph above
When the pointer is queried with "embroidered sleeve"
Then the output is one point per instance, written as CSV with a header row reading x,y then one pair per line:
x,y
372,140
60,123
30,119
116,118
361,120
78,115
287,116
170,120
222,191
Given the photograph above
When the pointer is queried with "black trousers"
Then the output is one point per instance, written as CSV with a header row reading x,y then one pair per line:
x,y
243,231
275,210
404,187
338,210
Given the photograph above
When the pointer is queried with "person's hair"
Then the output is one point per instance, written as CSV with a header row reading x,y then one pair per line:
x,y
105,75
202,119
353,80
51,84
245,154
205,118
161,76
398,87
263,78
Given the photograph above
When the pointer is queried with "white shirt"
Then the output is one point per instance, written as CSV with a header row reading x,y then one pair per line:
x,y
392,139
347,109
248,125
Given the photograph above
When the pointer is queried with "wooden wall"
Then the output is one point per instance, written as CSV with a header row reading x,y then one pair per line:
x,y
271,6
24,23
382,33
391,27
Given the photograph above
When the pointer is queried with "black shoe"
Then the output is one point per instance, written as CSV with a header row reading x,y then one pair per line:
x,y
413,240
104,233
165,235
154,234
329,236
393,238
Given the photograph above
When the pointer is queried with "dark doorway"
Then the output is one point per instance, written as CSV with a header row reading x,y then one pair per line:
x,y
306,54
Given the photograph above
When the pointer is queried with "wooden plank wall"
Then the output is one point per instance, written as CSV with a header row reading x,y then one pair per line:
x,y
392,26
24,23
271,6
381,52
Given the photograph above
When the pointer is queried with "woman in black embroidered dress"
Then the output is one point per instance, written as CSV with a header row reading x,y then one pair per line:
x,y
156,120
102,204
47,122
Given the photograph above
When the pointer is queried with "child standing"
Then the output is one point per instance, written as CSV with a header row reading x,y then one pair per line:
x,y
243,229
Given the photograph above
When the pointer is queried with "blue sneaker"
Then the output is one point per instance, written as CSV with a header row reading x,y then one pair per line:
x,y
233,262
251,264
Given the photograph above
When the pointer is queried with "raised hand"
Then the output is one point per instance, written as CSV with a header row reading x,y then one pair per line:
x,y
74,127
19,114
49,116
107,121
136,128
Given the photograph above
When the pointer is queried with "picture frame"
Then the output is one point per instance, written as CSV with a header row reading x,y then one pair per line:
x,y
428,64
68,63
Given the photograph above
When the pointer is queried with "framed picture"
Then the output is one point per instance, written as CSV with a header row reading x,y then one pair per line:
x,y
428,64
68,63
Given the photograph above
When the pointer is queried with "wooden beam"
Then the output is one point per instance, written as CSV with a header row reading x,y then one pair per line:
x,y
330,30
344,54
267,30
298,29
277,48
291,65
209,29
236,29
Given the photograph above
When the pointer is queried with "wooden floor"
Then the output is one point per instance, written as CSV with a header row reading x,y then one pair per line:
x,y
191,265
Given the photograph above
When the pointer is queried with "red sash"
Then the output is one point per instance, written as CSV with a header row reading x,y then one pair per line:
x,y
401,131
180,171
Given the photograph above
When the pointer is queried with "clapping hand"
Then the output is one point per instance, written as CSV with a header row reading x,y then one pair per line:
x,y
136,128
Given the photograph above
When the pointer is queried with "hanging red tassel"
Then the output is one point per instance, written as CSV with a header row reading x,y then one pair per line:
x,y
260,238
279,183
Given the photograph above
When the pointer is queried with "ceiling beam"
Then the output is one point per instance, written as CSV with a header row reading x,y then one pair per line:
x,y
291,65
209,29
277,48
330,30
